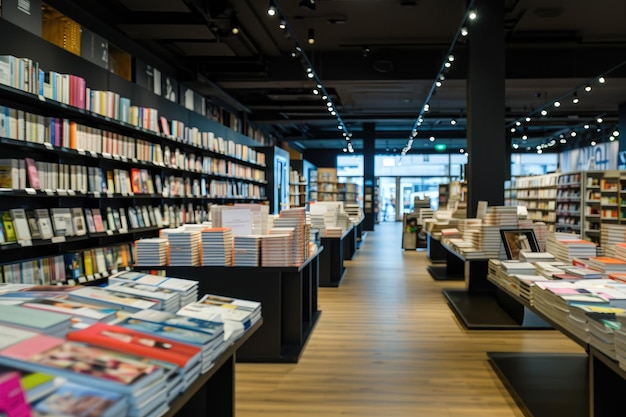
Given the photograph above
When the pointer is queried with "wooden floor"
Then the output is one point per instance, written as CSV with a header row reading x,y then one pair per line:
x,y
388,345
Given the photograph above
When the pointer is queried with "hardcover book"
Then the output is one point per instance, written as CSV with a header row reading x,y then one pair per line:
x,y
131,341
70,399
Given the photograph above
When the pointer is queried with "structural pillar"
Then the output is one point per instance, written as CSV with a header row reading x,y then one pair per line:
x,y
369,180
489,160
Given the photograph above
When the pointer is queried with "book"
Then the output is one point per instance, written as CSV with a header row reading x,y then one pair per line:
x,y
71,400
88,365
100,296
115,337
35,384
10,335
7,224
44,223
33,174
88,313
33,225
34,320
20,224
12,399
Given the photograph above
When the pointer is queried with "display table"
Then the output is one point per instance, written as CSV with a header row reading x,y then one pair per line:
x,y
551,384
481,305
349,244
449,267
288,296
332,268
360,233
213,393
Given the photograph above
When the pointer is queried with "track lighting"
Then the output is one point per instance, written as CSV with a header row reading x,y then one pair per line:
x,y
366,51
283,24
464,32
271,10
557,104
311,37
432,138
601,80
235,28
544,112
599,120
472,15
575,99
588,88
615,133
453,122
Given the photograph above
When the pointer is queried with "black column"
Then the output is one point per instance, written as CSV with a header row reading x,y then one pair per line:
x,y
486,141
621,126
369,181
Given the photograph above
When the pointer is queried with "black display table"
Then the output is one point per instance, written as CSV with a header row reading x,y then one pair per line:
x,y
360,233
449,267
434,251
481,305
350,244
332,269
551,384
288,297
213,393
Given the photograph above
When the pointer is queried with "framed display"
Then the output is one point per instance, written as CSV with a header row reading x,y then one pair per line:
x,y
516,240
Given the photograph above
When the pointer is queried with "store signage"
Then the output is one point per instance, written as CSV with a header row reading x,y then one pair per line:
x,y
602,156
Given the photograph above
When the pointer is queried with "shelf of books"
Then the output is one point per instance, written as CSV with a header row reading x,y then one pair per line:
x,y
85,170
591,203
568,203
538,195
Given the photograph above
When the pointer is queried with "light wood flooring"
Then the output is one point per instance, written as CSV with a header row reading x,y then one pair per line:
x,y
387,344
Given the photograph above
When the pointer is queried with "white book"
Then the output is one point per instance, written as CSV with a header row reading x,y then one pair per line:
x,y
45,225
20,224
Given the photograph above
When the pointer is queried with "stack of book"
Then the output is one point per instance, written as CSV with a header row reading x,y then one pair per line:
x,y
217,246
236,314
81,313
45,322
184,246
276,249
296,218
610,235
247,250
185,356
607,264
139,381
168,300
602,326
100,296
620,340
620,250
334,231
488,240
504,216
151,251
186,288
565,247
534,257
208,335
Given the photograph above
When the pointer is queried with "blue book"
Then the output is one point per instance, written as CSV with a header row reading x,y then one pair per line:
x,y
170,332
70,399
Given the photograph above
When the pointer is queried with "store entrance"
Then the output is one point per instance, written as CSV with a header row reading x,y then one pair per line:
x,y
405,190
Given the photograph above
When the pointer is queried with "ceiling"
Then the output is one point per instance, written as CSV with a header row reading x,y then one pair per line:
x,y
378,60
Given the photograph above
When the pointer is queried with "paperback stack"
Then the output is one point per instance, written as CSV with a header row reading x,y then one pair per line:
x,y
296,218
100,296
184,246
139,381
503,216
565,247
81,313
237,315
276,249
246,250
168,300
204,341
620,340
45,322
317,223
151,251
217,246
533,257
620,250
186,288
71,399
186,356
353,211
610,235
487,239
607,264
259,214
334,231
602,327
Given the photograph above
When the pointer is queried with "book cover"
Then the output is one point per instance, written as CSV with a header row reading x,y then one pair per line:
x,y
30,319
75,400
12,399
165,331
169,319
90,312
33,174
45,224
20,224
89,365
138,343
33,225
10,335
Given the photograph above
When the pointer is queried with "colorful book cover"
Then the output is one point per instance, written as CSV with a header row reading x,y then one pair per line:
x,y
30,319
138,343
191,323
33,174
12,399
168,332
70,399
93,366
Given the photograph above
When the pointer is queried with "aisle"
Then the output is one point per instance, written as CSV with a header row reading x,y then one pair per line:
x,y
387,345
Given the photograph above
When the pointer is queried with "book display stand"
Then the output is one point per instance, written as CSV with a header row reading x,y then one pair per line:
x,y
446,266
336,250
481,305
288,296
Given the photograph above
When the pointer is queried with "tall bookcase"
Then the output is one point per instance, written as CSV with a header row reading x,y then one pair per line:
x,y
186,173
569,191
300,182
538,195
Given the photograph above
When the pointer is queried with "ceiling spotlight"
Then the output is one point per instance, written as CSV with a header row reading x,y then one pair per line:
x,y
472,15
615,133
557,104
310,75
528,119
311,37
462,150
316,91
539,151
593,143
601,80
586,126
366,51
464,31
438,84
447,65
453,122
426,107
524,137
450,58
324,97
587,88
573,134
309,4
563,140
515,146
271,10
442,77
599,120
513,130
575,99
518,123
282,24
235,30
329,104
544,112
432,138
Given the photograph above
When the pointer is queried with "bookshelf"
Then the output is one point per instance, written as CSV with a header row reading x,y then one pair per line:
x,y
569,191
300,184
141,175
538,195
591,204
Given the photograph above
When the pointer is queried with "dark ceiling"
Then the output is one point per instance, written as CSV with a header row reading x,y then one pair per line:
x,y
378,59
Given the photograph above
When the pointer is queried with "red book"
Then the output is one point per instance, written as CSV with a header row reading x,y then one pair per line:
x,y
131,341
33,174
